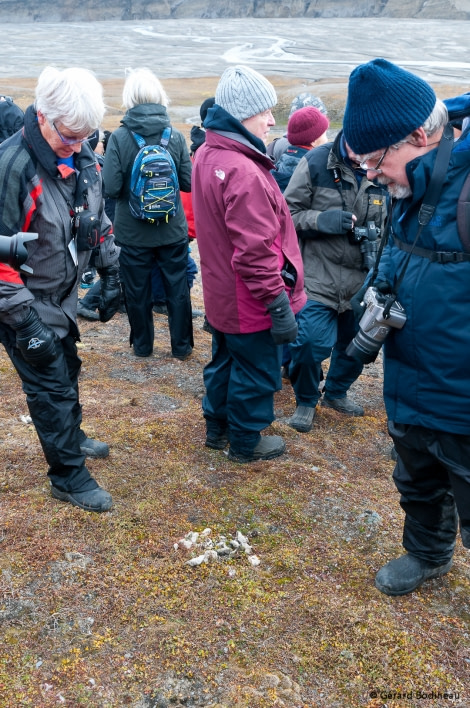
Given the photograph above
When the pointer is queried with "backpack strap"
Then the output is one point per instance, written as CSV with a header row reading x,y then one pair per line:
x,y
138,138
463,215
166,135
164,140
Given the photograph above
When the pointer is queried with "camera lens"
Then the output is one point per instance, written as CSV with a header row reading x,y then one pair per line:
x,y
363,348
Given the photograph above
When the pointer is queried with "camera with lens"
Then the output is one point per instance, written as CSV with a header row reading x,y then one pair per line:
x,y
86,230
13,250
381,314
367,238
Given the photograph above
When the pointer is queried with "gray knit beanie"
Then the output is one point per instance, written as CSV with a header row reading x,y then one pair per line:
x,y
244,93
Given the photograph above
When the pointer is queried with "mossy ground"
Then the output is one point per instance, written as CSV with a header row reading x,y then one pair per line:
x,y
102,611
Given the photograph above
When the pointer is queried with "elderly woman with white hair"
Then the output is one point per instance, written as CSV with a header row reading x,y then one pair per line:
x,y
143,243
48,174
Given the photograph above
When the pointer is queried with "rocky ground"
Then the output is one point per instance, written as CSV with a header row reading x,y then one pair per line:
x,y
104,611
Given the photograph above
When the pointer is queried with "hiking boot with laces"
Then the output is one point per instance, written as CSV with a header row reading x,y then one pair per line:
x,y
302,420
93,500
403,575
268,447
343,405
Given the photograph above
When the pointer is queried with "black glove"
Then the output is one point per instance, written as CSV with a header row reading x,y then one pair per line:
x,y
335,221
110,297
36,341
383,286
284,329
357,306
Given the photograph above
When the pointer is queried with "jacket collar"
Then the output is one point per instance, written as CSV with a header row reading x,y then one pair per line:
x,y
42,152
220,121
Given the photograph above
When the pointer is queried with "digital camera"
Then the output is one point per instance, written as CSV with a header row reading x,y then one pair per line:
x,y
14,252
379,317
367,238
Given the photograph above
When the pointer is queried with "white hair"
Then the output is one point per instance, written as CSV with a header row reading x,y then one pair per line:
x,y
74,97
142,86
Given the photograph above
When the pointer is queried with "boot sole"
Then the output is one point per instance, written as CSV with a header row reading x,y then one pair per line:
x,y
440,570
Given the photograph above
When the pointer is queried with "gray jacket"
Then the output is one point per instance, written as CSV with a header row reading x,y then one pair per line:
x,y
322,181
36,195
148,120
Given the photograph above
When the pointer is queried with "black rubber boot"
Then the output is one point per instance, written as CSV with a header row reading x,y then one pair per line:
x,y
268,447
405,574
216,441
302,420
93,500
94,448
343,405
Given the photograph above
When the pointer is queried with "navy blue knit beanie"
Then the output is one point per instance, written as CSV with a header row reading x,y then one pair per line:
x,y
385,104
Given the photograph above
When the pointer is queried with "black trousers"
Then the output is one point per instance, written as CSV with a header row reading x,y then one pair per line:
x,y
136,275
53,401
432,474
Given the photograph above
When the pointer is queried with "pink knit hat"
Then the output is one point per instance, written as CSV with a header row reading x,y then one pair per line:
x,y
306,125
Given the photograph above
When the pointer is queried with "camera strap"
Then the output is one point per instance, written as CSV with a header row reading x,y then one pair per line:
x,y
433,191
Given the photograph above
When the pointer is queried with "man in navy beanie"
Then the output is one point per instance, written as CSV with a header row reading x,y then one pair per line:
x,y
395,124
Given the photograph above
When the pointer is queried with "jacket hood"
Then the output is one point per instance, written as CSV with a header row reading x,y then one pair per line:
x,y
146,119
220,121
458,107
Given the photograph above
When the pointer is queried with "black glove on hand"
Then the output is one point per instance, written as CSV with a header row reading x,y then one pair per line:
x,y
383,286
284,329
36,341
357,306
110,292
335,221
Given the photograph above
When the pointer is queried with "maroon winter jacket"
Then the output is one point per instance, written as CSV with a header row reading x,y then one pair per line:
x,y
245,235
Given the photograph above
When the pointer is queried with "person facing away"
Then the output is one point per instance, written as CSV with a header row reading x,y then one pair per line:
x,y
48,172
329,198
198,136
277,146
246,241
143,242
395,123
11,117
306,129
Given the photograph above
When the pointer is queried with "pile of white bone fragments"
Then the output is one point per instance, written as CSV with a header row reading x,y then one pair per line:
x,y
211,550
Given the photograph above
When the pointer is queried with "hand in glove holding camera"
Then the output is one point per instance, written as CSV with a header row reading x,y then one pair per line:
x,y
335,221
357,304
384,287
36,341
284,329
110,292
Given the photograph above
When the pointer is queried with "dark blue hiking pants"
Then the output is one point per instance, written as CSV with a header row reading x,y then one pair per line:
x,y
240,381
323,333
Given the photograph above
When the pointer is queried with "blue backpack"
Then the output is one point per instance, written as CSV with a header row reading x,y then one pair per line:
x,y
154,189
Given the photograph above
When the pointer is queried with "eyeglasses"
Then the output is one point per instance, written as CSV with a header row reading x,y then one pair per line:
x,y
69,141
364,166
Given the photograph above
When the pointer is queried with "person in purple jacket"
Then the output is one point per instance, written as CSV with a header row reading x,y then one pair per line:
x,y
251,267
